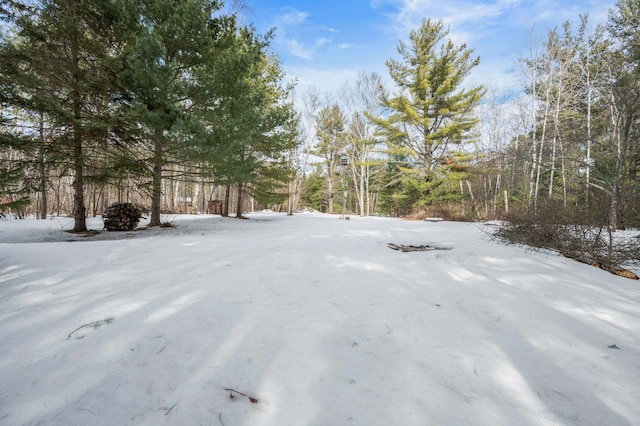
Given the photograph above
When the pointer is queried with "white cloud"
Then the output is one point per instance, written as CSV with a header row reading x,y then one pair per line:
x,y
303,38
298,49
323,41
294,16
330,29
409,13
474,23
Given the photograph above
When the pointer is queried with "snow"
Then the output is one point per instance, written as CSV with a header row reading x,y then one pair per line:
x,y
313,316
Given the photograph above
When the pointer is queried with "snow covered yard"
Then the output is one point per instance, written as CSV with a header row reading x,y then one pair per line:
x,y
314,317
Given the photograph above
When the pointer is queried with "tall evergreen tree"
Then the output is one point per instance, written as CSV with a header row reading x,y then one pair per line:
x,y
248,123
431,111
13,194
276,132
174,40
64,68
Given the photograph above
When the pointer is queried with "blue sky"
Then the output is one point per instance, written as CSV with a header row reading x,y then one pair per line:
x,y
325,43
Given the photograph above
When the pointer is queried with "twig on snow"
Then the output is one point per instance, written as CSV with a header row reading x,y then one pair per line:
x,y
94,324
232,391
171,408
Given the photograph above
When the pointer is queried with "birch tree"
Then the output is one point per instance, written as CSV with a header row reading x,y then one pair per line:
x,y
590,48
362,102
330,127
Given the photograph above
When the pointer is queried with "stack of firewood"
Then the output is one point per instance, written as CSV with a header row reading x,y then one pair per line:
x,y
121,217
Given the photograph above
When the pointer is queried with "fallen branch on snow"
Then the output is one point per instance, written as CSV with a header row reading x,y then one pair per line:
x,y
406,248
598,263
94,324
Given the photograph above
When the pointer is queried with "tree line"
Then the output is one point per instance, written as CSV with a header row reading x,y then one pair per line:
x,y
568,139
573,140
142,96
128,94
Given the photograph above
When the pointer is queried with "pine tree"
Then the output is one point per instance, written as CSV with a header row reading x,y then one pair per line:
x,y
174,42
13,146
64,69
431,111
248,124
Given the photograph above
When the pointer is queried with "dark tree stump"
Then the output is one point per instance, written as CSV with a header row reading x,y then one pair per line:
x,y
121,217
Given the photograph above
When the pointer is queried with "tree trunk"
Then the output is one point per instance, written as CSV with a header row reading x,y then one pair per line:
x,y
156,191
79,211
361,191
556,136
227,200
563,172
474,207
534,131
538,162
58,199
506,201
292,200
43,172
615,185
589,142
367,192
497,194
331,194
195,197
240,200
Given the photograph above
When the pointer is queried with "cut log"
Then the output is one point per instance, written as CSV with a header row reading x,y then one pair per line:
x,y
605,266
121,217
624,273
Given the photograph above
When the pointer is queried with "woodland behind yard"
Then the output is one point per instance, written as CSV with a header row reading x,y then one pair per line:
x,y
182,108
